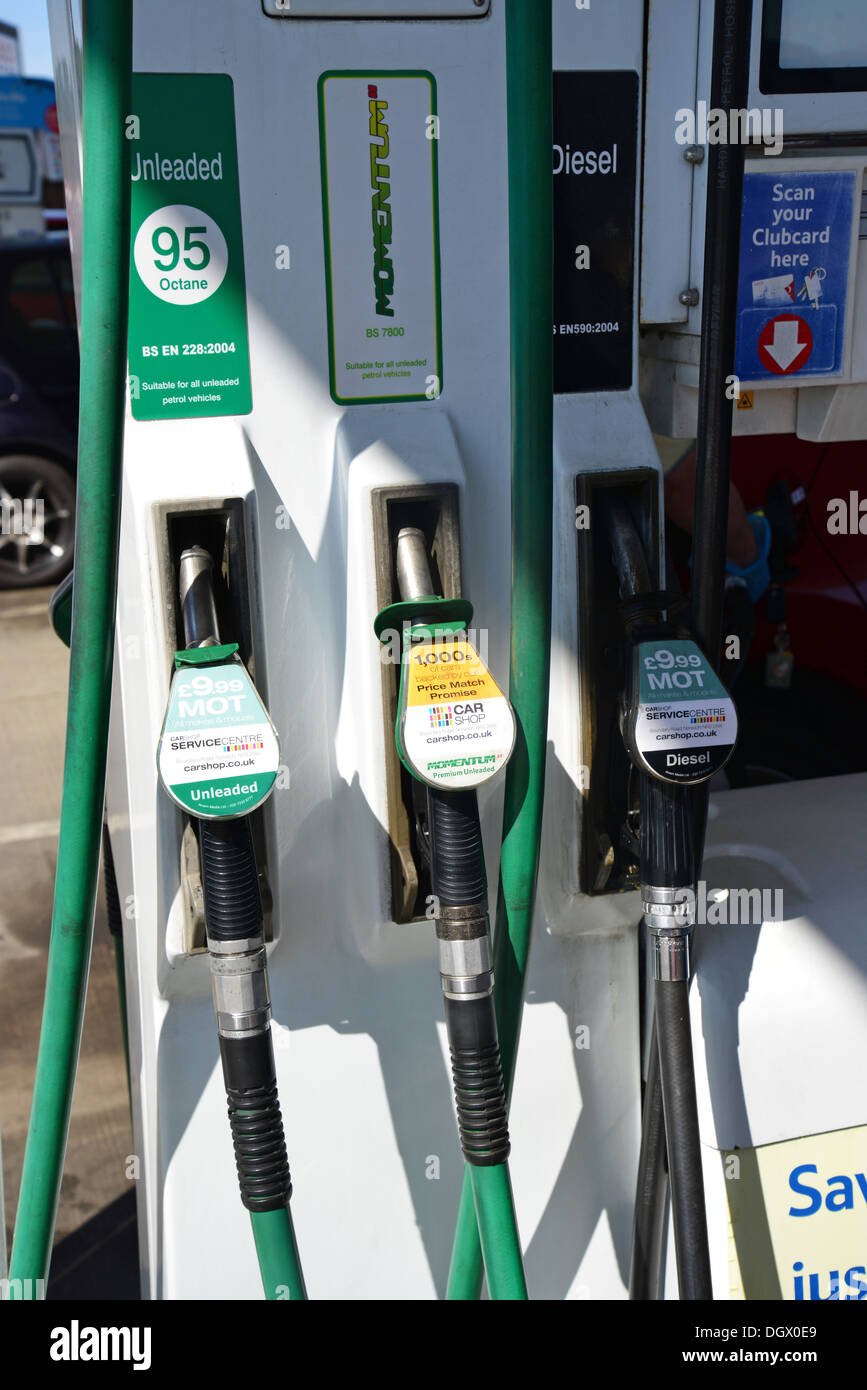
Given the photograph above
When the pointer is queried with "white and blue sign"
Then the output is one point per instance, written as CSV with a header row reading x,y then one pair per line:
x,y
27,103
796,246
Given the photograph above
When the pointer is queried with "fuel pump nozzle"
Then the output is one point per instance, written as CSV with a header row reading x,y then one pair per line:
x,y
198,605
679,727
442,673
463,929
234,919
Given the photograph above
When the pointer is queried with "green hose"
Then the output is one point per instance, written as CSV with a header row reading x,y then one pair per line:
x,y
500,1242
528,67
105,277
277,1250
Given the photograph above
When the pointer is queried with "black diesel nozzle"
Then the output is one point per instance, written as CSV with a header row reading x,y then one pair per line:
x,y
665,663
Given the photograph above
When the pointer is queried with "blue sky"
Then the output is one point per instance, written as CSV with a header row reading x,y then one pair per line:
x,y
31,20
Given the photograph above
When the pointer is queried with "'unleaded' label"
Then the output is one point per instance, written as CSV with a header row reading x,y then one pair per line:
x,y
218,752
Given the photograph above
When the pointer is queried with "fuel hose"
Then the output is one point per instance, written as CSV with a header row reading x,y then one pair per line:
x,y
666,869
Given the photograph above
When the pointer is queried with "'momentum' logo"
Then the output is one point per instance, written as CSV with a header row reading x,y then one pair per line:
x,y
380,182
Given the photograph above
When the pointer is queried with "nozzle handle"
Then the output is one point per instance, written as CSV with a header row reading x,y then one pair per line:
x,y
198,607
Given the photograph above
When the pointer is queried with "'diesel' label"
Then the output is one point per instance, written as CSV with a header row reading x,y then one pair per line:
x,y
684,725
218,752
456,727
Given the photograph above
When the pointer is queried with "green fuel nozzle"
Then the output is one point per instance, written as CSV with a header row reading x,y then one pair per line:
x,y
455,729
235,927
216,721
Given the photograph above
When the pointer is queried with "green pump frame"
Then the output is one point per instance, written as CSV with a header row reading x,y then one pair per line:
x,y
531,293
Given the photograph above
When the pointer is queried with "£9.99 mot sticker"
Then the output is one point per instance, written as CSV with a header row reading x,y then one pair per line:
x,y
686,723
218,753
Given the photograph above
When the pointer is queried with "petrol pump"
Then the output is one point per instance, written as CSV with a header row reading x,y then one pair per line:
x,y
345,404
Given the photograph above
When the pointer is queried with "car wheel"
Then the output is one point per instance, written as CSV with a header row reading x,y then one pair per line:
x,y
37,521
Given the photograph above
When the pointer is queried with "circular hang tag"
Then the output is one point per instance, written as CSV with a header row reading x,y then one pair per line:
x,y
456,727
685,724
218,752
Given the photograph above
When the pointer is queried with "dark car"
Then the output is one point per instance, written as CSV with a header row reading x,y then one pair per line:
x,y
38,412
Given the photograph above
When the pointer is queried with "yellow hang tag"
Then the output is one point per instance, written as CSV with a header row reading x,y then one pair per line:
x,y
456,727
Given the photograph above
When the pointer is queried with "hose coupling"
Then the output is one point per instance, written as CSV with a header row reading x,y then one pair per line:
x,y
239,985
669,914
464,940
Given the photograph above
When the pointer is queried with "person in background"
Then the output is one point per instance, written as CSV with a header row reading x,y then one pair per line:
x,y
749,534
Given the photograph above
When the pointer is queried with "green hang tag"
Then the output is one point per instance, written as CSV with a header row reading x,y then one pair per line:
x,y
204,656
218,753
455,728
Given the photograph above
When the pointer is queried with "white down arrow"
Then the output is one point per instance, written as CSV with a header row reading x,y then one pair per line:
x,y
786,348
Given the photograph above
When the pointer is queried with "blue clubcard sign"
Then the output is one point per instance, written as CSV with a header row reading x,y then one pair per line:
x,y
796,244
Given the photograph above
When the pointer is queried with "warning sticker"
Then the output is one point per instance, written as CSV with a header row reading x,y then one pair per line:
x,y
218,752
456,727
686,724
